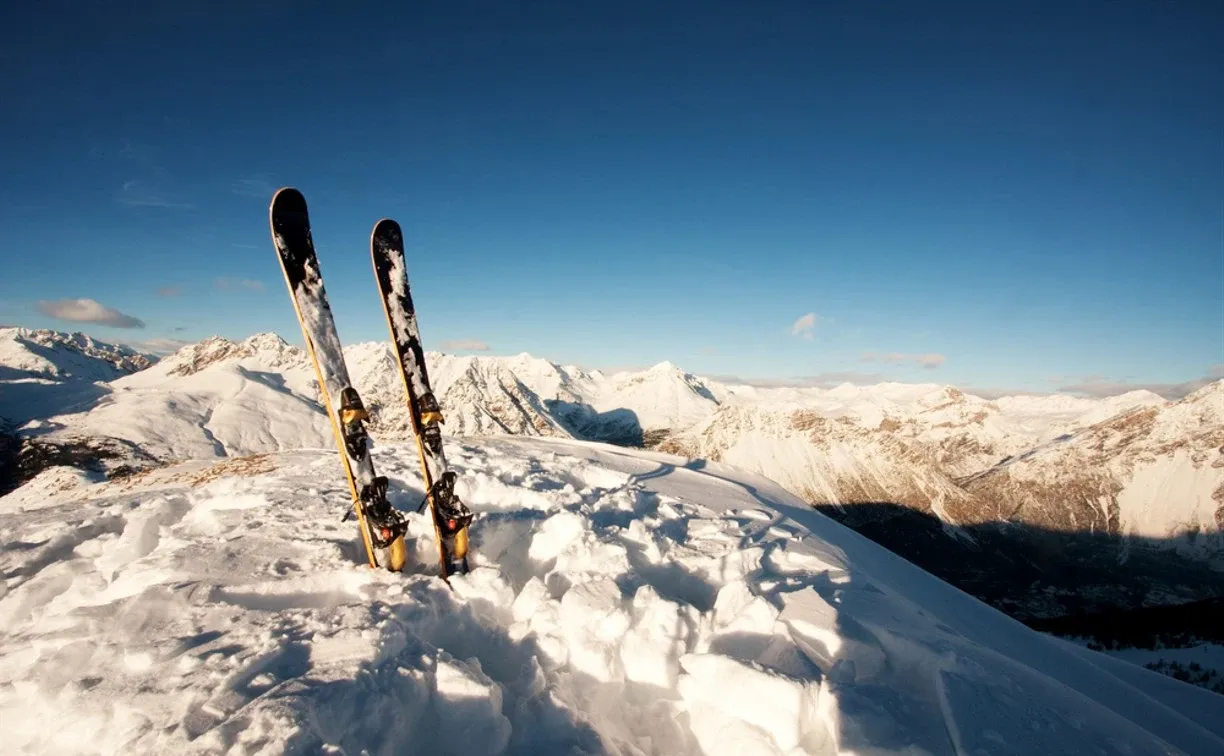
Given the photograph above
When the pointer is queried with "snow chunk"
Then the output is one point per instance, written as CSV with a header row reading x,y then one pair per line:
x,y
741,705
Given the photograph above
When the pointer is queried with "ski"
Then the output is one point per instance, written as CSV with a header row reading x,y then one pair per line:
x,y
381,526
451,517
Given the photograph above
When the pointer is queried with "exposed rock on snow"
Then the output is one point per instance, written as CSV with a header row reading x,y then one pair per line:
x,y
477,395
271,350
935,449
53,354
1155,472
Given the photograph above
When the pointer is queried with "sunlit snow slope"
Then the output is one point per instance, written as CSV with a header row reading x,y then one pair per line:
x,y
45,372
621,602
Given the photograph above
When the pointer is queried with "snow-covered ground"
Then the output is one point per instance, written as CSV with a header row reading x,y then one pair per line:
x,y
1204,661
622,602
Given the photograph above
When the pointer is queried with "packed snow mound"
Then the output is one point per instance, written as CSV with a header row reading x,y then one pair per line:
x,y
620,602
53,354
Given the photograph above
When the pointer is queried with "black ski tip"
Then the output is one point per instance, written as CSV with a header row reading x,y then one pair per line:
x,y
387,230
288,200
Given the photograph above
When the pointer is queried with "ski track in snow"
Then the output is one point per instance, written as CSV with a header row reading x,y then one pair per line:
x,y
621,602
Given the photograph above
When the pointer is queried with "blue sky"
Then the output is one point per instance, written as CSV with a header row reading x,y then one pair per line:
x,y
1024,196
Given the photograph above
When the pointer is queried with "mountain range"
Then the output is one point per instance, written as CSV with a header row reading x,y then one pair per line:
x,y
1042,505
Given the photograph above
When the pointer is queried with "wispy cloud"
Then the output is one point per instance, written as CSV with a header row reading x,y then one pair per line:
x,y
169,291
805,326
88,311
158,346
144,193
230,284
930,360
830,379
466,345
1171,391
148,183
259,187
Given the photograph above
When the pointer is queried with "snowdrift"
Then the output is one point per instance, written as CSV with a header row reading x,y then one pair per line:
x,y
621,602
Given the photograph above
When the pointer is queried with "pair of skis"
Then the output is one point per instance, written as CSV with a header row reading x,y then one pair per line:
x,y
382,527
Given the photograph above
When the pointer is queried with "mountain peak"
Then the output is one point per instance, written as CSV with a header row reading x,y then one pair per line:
x,y
666,366
269,347
68,355
266,341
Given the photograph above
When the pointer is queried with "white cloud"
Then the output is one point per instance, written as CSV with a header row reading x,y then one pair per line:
x,y
830,379
805,326
239,283
1172,391
466,345
930,360
141,193
158,346
88,311
254,186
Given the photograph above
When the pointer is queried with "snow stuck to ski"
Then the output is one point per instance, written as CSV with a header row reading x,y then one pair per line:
x,y
620,602
404,323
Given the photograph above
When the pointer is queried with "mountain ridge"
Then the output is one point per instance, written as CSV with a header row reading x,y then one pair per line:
x,y
1117,466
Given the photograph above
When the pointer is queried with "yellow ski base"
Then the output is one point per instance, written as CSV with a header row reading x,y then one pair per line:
x,y
397,555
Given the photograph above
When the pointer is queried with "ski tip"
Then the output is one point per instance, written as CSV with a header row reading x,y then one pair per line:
x,y
387,229
288,199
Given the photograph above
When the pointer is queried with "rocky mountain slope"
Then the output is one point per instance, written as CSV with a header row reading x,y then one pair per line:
x,y
53,354
1150,472
45,372
1134,468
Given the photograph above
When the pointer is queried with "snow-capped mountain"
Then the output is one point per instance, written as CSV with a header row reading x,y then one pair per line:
x,y
1038,526
960,460
961,433
914,445
225,398
212,399
825,457
1154,472
477,395
45,372
525,395
53,354
621,601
